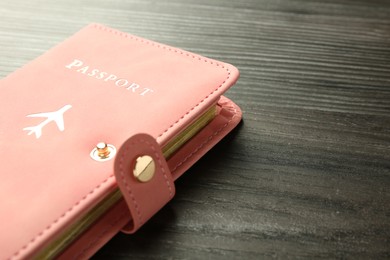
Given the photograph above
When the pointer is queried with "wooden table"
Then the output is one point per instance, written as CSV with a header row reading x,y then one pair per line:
x,y
307,173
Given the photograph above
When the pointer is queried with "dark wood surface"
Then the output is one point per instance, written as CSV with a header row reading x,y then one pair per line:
x,y
307,173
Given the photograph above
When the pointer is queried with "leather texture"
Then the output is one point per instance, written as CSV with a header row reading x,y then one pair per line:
x,y
143,199
107,86
228,117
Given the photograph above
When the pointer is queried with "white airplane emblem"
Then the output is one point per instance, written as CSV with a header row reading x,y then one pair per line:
x,y
56,116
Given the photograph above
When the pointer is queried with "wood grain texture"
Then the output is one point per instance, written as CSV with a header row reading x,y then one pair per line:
x,y
307,173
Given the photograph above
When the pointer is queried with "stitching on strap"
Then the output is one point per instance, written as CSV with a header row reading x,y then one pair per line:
x,y
128,188
127,185
161,168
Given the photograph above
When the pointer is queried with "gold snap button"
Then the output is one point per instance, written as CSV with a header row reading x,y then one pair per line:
x,y
144,168
103,152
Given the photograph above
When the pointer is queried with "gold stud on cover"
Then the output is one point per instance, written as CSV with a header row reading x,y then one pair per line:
x,y
144,168
103,152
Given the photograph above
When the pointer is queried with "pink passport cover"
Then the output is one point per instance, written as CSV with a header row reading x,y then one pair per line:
x,y
105,85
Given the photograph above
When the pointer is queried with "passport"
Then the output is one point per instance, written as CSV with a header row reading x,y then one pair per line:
x,y
70,112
